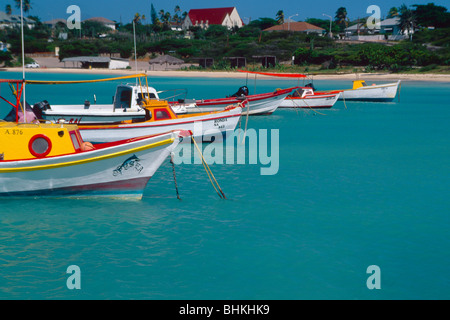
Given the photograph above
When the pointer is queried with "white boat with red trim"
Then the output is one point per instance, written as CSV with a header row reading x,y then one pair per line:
x,y
258,104
305,97
127,104
160,117
361,91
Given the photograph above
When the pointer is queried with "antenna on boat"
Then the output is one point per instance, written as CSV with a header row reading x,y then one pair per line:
x,y
24,107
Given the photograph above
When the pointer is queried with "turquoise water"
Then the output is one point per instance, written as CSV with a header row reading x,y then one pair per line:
x,y
360,184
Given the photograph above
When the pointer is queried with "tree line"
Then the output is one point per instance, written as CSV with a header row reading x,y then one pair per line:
x,y
154,35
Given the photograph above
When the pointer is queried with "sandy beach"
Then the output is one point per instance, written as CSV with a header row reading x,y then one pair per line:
x,y
53,65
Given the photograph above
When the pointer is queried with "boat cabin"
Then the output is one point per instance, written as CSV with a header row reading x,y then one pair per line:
x,y
359,84
302,92
132,96
20,141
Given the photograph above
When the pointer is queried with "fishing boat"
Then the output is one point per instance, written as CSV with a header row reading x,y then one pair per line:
x,y
305,97
127,104
53,160
138,111
258,104
160,117
363,92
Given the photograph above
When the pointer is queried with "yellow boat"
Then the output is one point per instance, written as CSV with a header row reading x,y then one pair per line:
x,y
47,159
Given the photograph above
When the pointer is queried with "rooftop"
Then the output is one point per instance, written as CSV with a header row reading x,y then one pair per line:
x,y
101,19
294,26
13,18
213,15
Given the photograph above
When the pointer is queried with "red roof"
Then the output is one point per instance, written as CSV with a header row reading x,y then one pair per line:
x,y
213,15
294,26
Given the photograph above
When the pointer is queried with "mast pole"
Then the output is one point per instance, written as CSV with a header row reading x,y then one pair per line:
x,y
23,63
135,55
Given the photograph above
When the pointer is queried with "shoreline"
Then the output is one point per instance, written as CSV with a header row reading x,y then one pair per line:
x,y
238,75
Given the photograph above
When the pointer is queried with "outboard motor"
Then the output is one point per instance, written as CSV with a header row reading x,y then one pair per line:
x,y
39,107
310,85
243,91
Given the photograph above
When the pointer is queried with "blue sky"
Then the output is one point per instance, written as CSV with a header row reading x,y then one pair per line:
x,y
125,9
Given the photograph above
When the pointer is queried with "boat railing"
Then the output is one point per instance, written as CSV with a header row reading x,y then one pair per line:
x,y
173,94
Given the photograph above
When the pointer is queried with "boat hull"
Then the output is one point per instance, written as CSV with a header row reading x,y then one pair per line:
x,y
115,170
258,104
203,127
94,114
381,93
312,101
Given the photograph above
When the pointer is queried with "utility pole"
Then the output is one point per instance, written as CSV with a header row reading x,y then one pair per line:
x,y
330,34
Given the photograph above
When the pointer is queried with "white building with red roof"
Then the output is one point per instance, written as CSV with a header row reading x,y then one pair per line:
x,y
228,17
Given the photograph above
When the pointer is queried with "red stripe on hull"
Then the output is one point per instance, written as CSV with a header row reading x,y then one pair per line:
x,y
123,185
116,188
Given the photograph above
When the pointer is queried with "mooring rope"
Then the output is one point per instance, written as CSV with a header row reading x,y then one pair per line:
x,y
343,98
174,175
304,100
209,172
246,121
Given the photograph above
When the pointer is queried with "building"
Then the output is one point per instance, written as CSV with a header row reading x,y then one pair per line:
x,y
13,20
228,17
300,26
97,62
389,29
106,22
54,22
356,29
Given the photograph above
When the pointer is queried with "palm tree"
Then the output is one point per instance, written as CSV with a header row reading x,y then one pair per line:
x,y
177,18
280,17
161,14
341,17
137,18
26,5
407,20
393,12
8,9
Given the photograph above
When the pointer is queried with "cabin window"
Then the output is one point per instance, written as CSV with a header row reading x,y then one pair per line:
x,y
75,141
162,114
297,93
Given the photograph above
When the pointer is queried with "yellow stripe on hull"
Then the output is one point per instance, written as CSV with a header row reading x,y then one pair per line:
x,y
91,159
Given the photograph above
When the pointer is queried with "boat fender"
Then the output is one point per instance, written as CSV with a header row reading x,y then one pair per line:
x,y
86,146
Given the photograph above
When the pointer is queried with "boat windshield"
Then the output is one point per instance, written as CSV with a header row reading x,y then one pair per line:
x,y
123,98
146,95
